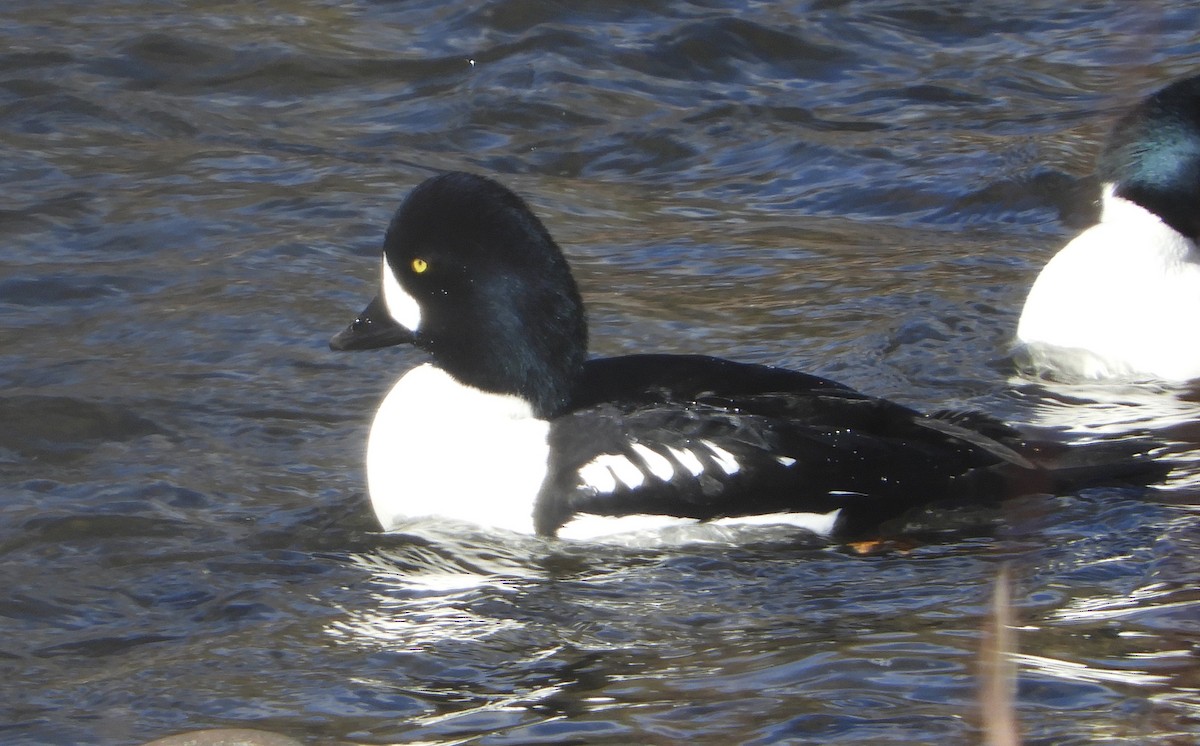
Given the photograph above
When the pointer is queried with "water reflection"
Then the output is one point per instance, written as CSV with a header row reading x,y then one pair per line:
x,y
1156,597
1100,409
1114,619
422,592
1089,411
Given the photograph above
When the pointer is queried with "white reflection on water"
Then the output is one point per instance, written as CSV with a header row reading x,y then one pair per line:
x,y
1075,671
1148,598
415,623
424,586
1142,637
1087,412
514,703
1106,409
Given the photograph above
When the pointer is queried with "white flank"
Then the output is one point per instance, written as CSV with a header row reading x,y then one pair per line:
x,y
440,448
587,527
821,524
401,306
785,460
724,458
1119,301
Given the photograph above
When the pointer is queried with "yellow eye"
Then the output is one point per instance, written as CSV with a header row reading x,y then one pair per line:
x,y
419,265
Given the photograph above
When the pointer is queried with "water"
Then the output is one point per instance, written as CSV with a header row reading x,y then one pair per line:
x,y
194,198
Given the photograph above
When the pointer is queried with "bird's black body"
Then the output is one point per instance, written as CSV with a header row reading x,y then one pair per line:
x,y
669,435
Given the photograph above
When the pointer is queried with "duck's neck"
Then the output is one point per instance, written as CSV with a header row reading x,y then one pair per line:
x,y
539,367
1174,208
1154,236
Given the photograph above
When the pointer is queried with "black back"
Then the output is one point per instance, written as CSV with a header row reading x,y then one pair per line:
x,y
801,444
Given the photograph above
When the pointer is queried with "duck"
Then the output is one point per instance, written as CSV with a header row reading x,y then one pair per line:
x,y
1118,301
509,425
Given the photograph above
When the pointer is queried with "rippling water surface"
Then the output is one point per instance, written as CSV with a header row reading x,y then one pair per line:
x,y
194,194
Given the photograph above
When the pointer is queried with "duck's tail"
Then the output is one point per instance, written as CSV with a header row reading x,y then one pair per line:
x,y
1031,465
1136,462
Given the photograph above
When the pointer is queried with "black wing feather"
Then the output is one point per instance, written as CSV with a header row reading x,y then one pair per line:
x,y
782,464
800,443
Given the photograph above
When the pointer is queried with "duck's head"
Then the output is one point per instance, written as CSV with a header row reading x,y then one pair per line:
x,y
473,277
1152,156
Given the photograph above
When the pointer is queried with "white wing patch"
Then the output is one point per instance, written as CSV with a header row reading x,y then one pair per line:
x,y
598,476
724,458
785,460
603,472
687,460
658,464
609,470
627,471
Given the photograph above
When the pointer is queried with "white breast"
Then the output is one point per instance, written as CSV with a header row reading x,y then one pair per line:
x,y
440,448
1121,300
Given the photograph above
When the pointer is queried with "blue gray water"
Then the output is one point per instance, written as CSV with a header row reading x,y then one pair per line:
x,y
194,195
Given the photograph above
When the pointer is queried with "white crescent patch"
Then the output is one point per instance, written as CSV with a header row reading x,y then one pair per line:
x,y
402,307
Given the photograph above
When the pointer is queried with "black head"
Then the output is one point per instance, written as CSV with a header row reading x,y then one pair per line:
x,y
473,277
1153,156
